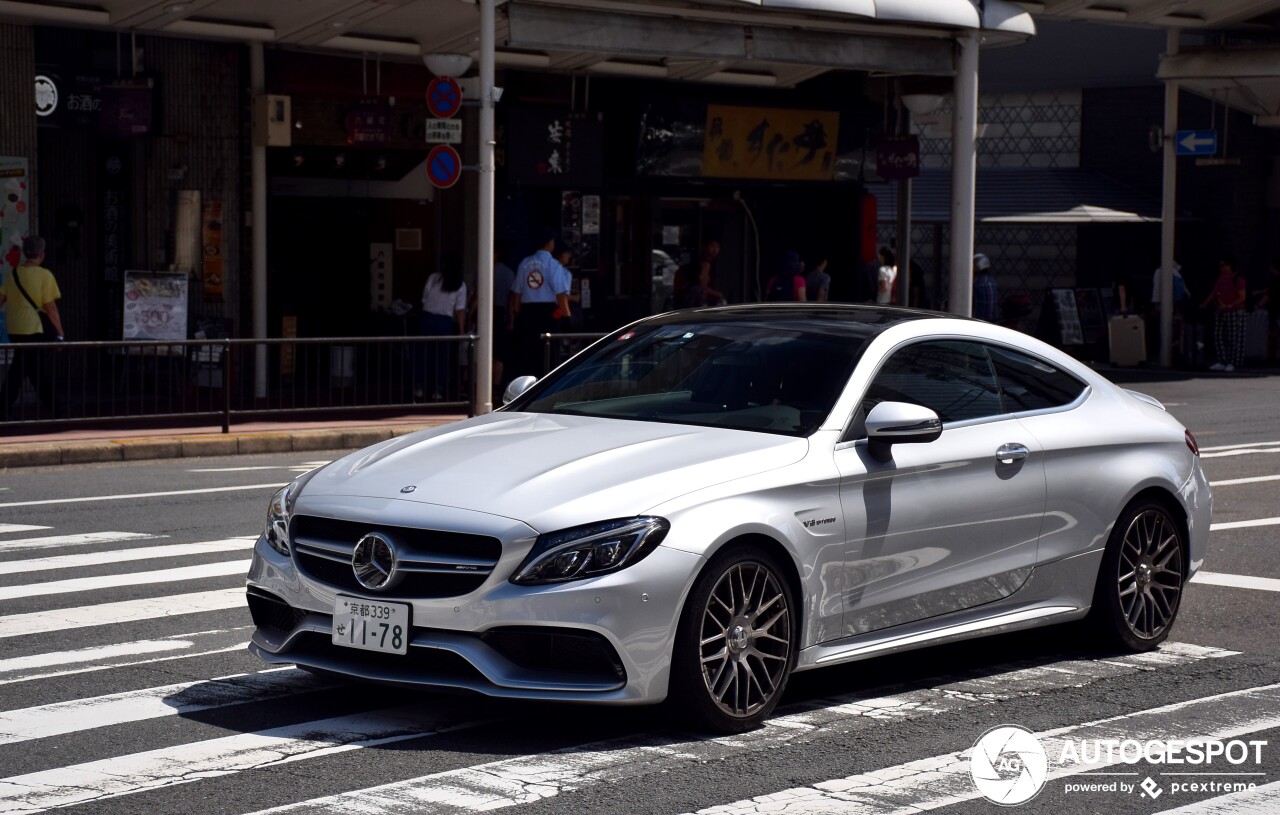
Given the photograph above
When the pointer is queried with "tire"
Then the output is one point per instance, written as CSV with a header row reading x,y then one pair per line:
x,y
736,643
1143,574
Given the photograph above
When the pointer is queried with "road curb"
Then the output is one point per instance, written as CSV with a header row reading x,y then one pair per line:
x,y
46,454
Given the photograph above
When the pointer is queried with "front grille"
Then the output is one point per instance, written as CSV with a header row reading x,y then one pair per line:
x,y
434,563
419,665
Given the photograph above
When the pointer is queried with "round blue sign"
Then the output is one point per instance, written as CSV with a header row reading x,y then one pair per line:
x,y
444,97
444,166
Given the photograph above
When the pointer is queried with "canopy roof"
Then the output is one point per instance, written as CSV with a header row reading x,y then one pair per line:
x,y
754,42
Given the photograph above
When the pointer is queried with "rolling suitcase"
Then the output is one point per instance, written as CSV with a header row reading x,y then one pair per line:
x,y
1128,339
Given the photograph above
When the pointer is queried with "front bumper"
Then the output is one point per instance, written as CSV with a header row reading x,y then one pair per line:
x,y
609,637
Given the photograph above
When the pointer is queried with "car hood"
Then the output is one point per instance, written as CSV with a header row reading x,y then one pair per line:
x,y
553,471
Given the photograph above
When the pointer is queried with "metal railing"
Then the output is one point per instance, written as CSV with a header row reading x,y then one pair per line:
x,y
87,383
556,348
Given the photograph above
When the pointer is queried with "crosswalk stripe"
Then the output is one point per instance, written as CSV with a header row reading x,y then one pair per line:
x,y
1256,479
237,647
124,611
41,564
178,699
184,763
944,780
111,581
1239,446
529,778
1237,581
1243,524
9,529
1261,800
88,499
55,541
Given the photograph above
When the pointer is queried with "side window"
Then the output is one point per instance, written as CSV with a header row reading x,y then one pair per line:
x,y
1028,383
953,379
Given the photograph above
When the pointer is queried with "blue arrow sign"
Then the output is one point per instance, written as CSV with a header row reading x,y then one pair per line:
x,y
1196,142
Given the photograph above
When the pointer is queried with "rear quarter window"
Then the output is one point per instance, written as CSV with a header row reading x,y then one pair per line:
x,y
1030,383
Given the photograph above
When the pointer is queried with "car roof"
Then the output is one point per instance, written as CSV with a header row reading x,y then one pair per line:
x,y
843,319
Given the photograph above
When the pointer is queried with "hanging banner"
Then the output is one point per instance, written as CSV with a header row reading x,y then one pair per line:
x,y
770,143
211,273
15,219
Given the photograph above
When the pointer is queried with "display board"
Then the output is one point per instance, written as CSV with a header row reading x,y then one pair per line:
x,y
155,306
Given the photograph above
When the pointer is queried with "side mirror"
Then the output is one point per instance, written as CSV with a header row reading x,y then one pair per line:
x,y
518,386
891,423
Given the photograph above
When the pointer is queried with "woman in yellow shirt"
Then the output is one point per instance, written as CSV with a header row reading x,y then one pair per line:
x,y
27,291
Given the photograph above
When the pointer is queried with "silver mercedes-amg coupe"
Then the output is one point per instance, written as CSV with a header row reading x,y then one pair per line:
x,y
705,501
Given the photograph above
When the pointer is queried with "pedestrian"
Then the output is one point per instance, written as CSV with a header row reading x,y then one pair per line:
x,y
1270,300
29,296
986,296
818,282
539,300
699,294
444,314
1227,301
886,276
789,284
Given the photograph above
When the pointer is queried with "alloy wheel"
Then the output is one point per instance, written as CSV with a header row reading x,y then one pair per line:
x,y
745,639
1150,573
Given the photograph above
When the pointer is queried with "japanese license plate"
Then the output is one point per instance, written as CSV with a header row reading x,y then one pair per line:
x,y
371,625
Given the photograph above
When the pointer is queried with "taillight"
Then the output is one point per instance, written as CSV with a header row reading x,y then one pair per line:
x,y
1191,444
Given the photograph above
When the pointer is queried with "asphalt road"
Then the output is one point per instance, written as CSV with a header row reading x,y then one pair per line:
x,y
118,696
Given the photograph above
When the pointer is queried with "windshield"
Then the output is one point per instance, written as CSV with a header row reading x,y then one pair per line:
x,y
737,375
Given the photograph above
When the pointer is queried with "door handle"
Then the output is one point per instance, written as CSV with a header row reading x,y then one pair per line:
x,y
1009,453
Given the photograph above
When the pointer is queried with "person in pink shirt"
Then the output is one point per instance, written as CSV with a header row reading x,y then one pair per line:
x,y
1227,299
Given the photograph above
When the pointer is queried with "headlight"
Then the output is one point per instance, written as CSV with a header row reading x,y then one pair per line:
x,y
278,513
281,510
587,551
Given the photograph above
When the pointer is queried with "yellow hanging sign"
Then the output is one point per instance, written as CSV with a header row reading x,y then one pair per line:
x,y
770,143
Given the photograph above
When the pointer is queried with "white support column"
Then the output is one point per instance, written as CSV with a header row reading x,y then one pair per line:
x,y
1168,210
964,162
258,228
485,222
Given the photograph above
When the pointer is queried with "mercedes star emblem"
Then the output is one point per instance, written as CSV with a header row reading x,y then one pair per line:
x,y
408,489
374,562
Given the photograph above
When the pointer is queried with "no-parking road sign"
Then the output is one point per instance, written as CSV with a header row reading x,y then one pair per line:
x,y
444,97
444,166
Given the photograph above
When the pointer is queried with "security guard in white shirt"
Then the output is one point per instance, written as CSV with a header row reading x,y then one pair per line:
x,y
539,300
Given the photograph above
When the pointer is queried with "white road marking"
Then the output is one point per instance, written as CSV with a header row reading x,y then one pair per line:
x,y
1237,581
185,763
1244,451
179,699
944,780
1257,479
1240,446
527,779
9,529
114,581
1244,524
240,646
304,467
56,541
125,611
52,658
125,555
1263,800
88,499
